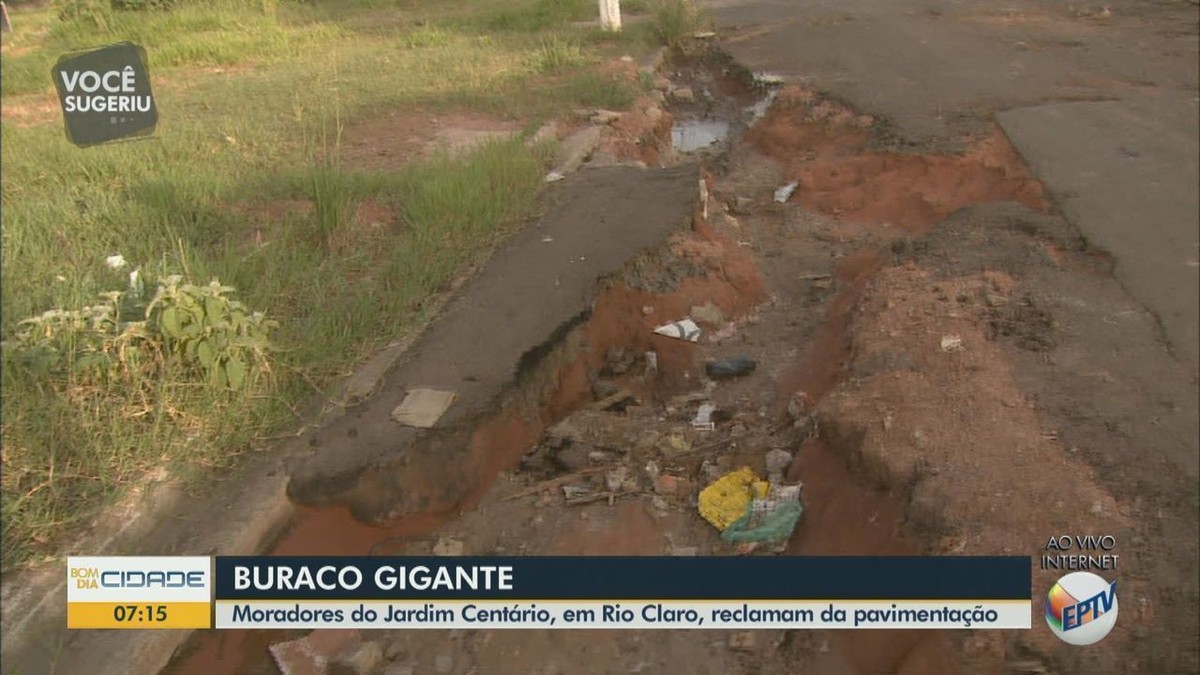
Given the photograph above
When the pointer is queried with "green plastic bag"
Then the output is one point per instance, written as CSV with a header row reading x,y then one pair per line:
x,y
765,521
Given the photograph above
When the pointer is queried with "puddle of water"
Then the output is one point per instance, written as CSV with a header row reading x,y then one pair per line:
x,y
693,135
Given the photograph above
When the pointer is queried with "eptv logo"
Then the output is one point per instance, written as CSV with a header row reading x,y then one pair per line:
x,y
92,577
1081,609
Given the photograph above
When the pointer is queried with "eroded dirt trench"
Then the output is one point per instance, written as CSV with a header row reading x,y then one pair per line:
x,y
881,303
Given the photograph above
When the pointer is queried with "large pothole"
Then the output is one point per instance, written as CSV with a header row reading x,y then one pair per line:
x,y
857,376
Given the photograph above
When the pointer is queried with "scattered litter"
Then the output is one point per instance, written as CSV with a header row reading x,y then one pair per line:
x,y
651,363
815,277
733,367
422,408
680,330
708,313
703,420
704,35
553,176
448,547
770,518
951,343
546,240
647,310
575,491
785,193
728,499
115,262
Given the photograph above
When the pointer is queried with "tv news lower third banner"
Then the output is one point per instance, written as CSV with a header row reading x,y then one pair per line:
x,y
550,592
624,592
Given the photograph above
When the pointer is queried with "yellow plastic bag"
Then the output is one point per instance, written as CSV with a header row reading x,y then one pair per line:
x,y
728,499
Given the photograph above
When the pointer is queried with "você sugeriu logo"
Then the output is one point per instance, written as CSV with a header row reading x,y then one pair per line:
x,y
105,94
1081,608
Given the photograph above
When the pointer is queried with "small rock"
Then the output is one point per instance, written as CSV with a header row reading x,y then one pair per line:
x,y
666,484
731,367
616,478
684,95
647,310
799,405
994,300
658,503
447,546
573,457
742,205
360,660
394,650
662,84
443,664
618,360
602,389
708,313
778,461
742,641
606,116
1097,508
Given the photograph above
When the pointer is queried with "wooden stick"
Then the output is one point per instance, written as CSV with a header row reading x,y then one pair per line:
x,y
553,483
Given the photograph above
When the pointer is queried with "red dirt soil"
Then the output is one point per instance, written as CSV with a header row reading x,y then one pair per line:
x,y
824,147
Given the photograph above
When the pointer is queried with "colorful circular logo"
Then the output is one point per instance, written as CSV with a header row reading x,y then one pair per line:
x,y
1081,608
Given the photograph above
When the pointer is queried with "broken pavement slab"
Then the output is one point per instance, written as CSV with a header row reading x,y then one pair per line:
x,y
597,221
422,408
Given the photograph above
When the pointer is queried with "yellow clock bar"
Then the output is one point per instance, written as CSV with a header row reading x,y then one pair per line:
x,y
139,615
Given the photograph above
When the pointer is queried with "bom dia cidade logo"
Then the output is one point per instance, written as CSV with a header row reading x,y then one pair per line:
x,y
1081,608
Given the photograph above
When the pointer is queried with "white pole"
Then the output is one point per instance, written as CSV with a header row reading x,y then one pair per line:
x,y
610,15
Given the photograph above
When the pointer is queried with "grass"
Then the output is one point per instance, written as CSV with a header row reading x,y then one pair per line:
x,y
253,100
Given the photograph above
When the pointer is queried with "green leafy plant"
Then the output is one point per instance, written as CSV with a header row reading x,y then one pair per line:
x,y
205,328
197,327
82,344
